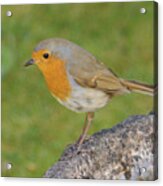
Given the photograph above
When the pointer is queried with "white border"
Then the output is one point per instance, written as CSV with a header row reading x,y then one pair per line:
x,y
40,182
59,1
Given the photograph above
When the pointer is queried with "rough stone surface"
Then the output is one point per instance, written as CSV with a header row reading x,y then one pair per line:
x,y
127,151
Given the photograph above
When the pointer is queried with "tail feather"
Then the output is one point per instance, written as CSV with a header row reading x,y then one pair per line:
x,y
139,87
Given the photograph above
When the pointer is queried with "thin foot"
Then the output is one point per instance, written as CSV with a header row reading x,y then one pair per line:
x,y
88,121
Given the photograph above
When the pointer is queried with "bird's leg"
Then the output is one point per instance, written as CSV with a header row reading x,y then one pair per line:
x,y
87,124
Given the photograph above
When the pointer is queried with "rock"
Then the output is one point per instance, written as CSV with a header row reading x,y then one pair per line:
x,y
128,151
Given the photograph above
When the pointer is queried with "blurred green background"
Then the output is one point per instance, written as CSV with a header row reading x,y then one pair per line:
x,y
35,127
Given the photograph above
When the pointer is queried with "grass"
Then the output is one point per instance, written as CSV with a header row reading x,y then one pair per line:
x,y
35,127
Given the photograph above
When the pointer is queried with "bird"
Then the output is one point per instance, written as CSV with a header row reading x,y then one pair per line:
x,y
78,80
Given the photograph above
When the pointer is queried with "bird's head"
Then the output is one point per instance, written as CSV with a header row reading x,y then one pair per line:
x,y
51,56
41,58
46,53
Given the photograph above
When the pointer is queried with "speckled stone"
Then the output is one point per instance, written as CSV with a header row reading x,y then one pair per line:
x,y
128,151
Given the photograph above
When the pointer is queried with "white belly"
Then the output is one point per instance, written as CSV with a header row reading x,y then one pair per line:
x,y
85,99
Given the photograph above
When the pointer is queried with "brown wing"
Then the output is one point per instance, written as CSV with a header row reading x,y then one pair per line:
x,y
95,75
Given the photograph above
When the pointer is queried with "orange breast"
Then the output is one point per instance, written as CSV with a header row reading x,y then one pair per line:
x,y
56,77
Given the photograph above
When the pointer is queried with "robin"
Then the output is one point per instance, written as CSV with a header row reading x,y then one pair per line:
x,y
78,80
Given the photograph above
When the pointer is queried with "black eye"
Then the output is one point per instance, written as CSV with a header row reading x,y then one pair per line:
x,y
46,55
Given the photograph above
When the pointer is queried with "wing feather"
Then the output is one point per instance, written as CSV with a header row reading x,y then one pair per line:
x,y
96,75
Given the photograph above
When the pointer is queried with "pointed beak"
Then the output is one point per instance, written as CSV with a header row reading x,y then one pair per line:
x,y
30,62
